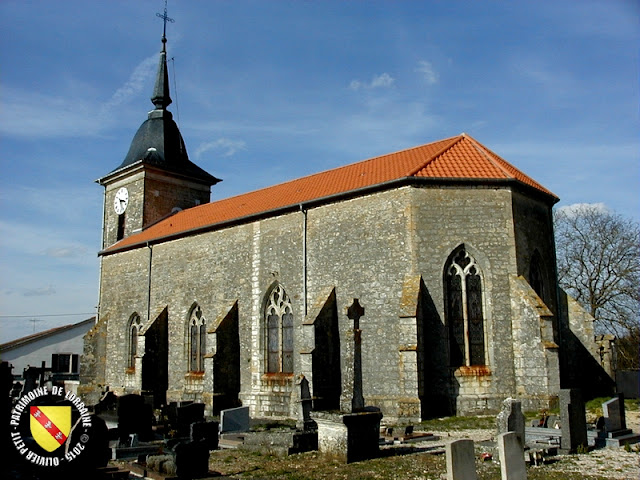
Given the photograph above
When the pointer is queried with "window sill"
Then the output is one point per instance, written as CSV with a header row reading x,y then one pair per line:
x,y
195,375
473,371
130,370
278,378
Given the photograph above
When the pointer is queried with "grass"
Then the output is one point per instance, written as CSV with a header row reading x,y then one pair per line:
x,y
595,405
458,423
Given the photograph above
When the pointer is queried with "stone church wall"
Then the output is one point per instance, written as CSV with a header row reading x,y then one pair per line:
x,y
170,193
534,233
360,248
93,364
133,213
481,219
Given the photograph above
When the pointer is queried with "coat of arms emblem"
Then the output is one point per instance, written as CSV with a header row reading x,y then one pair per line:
x,y
50,426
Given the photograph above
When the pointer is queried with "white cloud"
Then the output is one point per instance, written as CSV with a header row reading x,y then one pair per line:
x,y
136,82
576,208
72,114
427,71
71,251
384,80
227,146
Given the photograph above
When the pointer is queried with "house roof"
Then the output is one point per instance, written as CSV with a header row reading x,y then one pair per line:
x,y
44,334
459,158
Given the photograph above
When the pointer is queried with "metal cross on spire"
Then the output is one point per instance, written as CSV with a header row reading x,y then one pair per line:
x,y
166,19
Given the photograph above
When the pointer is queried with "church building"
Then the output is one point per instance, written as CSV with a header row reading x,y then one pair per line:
x,y
430,270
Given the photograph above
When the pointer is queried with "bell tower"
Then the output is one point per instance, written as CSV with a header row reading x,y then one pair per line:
x,y
156,178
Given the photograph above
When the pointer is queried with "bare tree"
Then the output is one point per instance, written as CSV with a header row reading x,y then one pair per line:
x,y
599,265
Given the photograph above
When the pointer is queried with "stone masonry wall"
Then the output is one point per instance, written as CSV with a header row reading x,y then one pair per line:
x,y
363,248
133,213
163,194
533,223
479,218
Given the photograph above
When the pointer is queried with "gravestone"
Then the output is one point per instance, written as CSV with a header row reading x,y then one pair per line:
x,y
170,415
572,421
614,414
461,460
354,312
188,414
134,417
305,422
352,436
511,419
512,466
234,420
552,422
96,453
192,460
616,433
107,402
206,432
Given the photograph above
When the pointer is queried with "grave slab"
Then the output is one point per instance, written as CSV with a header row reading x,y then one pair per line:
x,y
512,466
572,421
614,415
461,461
511,419
234,420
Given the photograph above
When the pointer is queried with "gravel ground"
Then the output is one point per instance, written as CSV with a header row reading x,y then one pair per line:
x,y
614,463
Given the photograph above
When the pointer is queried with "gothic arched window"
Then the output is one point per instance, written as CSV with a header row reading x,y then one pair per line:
x,y
279,332
464,309
197,339
133,330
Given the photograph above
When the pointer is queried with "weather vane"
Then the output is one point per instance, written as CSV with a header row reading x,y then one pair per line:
x,y
164,17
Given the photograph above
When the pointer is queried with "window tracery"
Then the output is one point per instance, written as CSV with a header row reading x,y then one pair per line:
x,y
465,315
197,334
279,331
133,331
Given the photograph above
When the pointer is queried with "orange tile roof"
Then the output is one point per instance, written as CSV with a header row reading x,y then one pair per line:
x,y
459,157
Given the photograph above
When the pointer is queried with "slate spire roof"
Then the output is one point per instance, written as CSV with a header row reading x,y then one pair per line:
x,y
457,160
158,142
161,98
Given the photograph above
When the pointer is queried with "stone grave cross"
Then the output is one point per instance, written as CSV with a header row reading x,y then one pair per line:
x,y
354,312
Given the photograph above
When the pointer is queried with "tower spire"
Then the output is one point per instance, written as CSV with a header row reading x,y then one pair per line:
x,y
161,98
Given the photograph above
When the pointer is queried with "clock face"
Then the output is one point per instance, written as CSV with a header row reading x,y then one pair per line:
x,y
121,200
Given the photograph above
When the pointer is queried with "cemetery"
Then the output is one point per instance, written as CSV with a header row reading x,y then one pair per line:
x,y
131,439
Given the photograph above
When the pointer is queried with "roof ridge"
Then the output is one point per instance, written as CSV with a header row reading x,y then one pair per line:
x,y
483,152
332,169
44,333
454,140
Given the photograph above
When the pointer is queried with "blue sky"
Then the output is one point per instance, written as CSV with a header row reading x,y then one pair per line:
x,y
266,91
